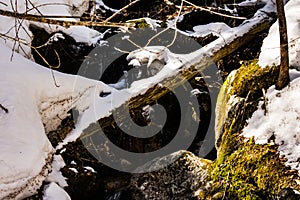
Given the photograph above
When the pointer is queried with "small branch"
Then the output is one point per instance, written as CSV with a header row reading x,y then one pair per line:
x,y
3,108
175,25
116,13
214,12
43,19
265,107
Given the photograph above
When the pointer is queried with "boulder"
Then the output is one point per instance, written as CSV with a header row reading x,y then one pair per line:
x,y
244,169
179,180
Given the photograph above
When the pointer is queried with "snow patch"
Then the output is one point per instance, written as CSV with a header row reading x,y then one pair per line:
x,y
56,175
54,192
212,28
282,121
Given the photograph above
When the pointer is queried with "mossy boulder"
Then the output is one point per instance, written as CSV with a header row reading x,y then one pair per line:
x,y
239,96
243,169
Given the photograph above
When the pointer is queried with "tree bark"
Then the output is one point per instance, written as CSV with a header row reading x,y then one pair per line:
x,y
283,79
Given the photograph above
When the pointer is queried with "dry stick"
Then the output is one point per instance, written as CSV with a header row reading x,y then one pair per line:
x,y
175,25
38,18
116,13
3,3
161,32
3,108
213,12
94,11
50,66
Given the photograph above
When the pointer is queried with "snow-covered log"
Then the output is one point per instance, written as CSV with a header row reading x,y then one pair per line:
x,y
184,67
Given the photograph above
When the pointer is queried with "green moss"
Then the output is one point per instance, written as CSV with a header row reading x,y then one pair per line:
x,y
252,172
246,84
140,23
250,79
243,169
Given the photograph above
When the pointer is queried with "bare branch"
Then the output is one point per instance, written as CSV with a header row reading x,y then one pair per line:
x,y
214,12
42,19
3,108
116,13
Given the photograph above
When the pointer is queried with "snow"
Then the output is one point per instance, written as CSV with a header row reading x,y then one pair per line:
x,y
73,162
282,120
100,4
73,170
55,175
90,169
253,3
270,51
35,106
54,192
82,34
215,28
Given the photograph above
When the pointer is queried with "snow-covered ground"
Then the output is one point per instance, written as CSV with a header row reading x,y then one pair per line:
x,y
33,105
281,121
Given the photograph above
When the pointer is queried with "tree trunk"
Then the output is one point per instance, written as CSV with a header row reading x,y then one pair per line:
x,y
283,79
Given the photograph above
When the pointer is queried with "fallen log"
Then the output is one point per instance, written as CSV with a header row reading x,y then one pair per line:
x,y
200,61
209,54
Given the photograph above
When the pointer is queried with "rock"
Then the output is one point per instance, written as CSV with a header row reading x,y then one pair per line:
x,y
244,169
179,180
288,194
239,95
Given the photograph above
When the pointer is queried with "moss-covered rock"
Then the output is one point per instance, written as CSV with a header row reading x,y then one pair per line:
x,y
239,96
243,169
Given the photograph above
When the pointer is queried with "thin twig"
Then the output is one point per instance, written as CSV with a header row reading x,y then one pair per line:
x,y
3,108
3,3
120,50
161,32
214,12
50,66
175,25
132,42
39,54
116,13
